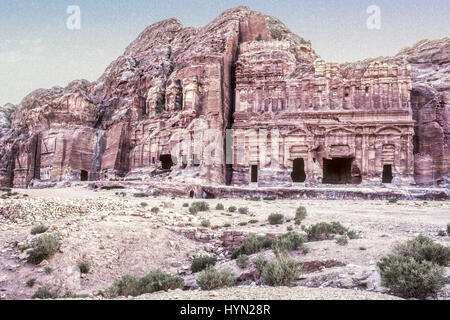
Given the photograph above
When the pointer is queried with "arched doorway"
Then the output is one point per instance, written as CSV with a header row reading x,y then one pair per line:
x,y
298,171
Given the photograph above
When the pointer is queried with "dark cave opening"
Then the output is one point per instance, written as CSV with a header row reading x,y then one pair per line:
x,y
337,170
387,173
166,161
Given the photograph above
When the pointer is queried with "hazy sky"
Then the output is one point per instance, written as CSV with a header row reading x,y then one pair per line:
x,y
37,50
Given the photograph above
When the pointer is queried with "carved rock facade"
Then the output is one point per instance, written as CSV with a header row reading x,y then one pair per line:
x,y
164,109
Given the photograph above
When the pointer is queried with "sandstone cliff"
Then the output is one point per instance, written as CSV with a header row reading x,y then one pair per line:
x,y
173,82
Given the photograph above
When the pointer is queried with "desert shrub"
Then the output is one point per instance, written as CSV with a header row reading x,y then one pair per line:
x,y
270,198
243,223
227,225
84,266
242,261
143,204
185,205
202,262
31,282
288,242
232,209
392,201
206,223
276,218
160,281
45,293
297,222
71,295
442,233
130,285
48,270
362,248
140,195
254,199
154,209
423,248
408,278
210,279
352,235
342,241
290,228
243,210
281,272
323,231
39,229
252,221
260,261
43,247
156,193
199,206
220,206
301,213
193,210
251,245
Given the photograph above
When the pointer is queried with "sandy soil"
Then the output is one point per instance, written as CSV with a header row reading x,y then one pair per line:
x,y
118,236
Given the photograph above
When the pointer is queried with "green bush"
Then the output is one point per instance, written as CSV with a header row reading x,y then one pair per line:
x,y
243,210
260,262
242,261
423,248
48,269
45,293
252,221
202,262
290,228
130,285
288,242
31,282
270,198
301,213
39,229
210,279
323,231
156,193
281,272
276,218
198,206
254,199
392,201
408,278
206,223
154,209
84,266
342,241
143,204
442,233
251,245
220,206
185,205
352,235
140,195
232,209
43,247
297,222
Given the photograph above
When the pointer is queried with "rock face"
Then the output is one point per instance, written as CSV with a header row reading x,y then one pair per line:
x,y
240,101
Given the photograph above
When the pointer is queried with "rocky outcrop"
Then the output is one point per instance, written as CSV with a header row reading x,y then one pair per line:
x,y
163,109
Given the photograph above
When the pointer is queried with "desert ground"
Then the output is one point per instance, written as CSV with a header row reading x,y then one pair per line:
x,y
119,233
